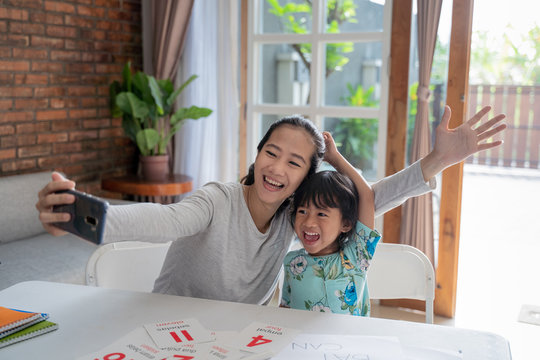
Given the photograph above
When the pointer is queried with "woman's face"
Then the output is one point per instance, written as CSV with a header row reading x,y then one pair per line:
x,y
282,164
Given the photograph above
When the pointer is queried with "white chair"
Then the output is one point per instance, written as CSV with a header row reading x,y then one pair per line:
x,y
126,265
400,271
135,265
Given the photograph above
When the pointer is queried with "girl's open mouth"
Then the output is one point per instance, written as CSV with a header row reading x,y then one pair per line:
x,y
310,237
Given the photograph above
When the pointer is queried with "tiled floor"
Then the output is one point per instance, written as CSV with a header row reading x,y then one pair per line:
x,y
499,261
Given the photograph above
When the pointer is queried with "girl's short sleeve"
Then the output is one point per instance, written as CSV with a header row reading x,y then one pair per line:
x,y
361,247
367,238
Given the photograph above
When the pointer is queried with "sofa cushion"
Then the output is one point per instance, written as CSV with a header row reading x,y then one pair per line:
x,y
45,257
19,194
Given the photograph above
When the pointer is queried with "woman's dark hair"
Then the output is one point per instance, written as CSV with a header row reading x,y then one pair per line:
x,y
329,189
299,122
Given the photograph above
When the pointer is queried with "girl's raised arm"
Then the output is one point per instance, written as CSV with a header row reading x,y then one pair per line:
x,y
366,206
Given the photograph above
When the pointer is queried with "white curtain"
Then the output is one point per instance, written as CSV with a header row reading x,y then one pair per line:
x,y
207,149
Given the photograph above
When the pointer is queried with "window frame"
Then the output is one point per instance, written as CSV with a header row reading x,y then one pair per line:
x,y
315,110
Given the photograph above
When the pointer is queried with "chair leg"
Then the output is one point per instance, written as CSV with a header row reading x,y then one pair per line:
x,y
429,311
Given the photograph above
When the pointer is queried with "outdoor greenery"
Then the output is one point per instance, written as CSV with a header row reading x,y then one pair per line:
x,y
355,137
293,17
510,60
494,60
146,106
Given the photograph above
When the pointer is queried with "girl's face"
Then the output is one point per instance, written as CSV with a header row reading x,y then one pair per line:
x,y
319,228
282,164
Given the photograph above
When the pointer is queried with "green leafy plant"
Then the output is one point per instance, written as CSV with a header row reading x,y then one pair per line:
x,y
146,106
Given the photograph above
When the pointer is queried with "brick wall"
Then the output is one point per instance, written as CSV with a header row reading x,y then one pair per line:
x,y
57,59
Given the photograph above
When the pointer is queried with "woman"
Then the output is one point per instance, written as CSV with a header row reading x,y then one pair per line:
x,y
229,240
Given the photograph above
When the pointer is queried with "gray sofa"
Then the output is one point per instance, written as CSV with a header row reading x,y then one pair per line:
x,y
27,251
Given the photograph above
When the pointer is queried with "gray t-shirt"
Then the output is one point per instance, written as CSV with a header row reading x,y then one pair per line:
x,y
217,251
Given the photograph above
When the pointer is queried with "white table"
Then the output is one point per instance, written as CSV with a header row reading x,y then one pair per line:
x,y
91,318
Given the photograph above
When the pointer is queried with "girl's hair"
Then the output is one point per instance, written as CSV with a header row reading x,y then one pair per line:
x,y
329,189
301,123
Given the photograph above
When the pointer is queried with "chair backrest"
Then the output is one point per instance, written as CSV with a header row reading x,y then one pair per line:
x,y
126,265
135,265
400,271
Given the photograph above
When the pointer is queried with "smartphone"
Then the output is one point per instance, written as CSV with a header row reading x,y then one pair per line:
x,y
88,215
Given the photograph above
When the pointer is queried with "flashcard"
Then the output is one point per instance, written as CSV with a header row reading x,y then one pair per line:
x,y
263,338
219,351
191,351
194,347
136,345
326,347
167,334
255,356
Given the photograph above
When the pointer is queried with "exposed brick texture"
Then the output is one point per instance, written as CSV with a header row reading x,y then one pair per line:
x,y
57,59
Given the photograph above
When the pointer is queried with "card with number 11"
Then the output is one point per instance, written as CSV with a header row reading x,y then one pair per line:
x,y
170,334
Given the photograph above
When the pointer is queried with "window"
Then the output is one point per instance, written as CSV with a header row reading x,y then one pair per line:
x,y
325,60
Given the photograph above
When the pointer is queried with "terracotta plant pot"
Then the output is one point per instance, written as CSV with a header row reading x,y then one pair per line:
x,y
154,167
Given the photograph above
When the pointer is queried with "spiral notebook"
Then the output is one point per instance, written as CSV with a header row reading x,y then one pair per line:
x,y
18,325
12,320
31,331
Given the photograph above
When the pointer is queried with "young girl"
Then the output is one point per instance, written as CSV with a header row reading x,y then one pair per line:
x,y
333,217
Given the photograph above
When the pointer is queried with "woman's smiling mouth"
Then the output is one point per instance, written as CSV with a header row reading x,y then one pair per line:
x,y
274,185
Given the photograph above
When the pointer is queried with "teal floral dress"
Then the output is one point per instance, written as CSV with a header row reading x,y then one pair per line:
x,y
331,283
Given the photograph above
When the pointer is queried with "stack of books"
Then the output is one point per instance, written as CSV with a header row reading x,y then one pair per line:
x,y
18,325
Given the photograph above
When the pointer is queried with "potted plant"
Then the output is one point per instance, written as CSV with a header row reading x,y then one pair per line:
x,y
149,118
